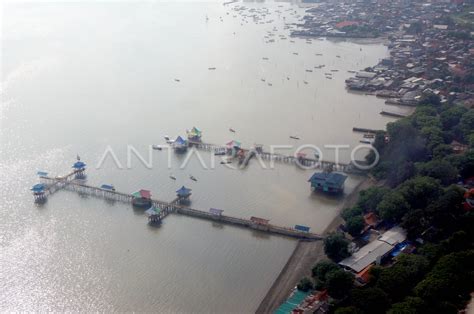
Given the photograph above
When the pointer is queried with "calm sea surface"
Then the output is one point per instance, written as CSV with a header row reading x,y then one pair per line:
x,y
78,78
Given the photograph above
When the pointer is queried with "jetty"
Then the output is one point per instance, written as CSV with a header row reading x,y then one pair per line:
x,y
76,182
258,152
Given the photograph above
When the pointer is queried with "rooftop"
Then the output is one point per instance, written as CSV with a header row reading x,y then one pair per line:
x,y
372,252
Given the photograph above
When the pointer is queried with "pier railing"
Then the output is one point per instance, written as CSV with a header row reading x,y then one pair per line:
x,y
288,159
69,183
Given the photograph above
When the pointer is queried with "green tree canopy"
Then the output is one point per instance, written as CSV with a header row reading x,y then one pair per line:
x,y
339,283
336,246
393,206
370,300
321,269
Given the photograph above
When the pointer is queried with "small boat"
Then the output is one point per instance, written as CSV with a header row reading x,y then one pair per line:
x,y
157,147
295,53
224,162
305,82
366,141
232,130
219,153
338,56
265,58
263,80
172,177
211,69
369,135
294,137
177,80
334,70
193,178
309,70
167,138
329,78
270,84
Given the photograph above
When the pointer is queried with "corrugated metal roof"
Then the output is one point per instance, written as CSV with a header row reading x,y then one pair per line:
x,y
369,253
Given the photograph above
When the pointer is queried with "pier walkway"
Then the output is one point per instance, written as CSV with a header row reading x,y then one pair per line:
x,y
69,182
304,161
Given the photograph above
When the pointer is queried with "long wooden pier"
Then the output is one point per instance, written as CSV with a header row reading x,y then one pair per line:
x,y
303,161
69,183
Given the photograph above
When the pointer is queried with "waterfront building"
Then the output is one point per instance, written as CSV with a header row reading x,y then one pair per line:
x,y
328,182
154,215
194,135
142,199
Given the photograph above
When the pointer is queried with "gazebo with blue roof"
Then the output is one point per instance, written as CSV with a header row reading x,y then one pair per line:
x,y
79,169
180,145
39,192
183,194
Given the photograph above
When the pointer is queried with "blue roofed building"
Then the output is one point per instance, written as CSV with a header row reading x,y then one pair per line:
x,y
328,182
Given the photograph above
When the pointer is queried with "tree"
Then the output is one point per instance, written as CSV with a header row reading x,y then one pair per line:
x,y
415,222
348,213
442,151
466,124
451,279
355,225
438,169
398,280
336,247
321,269
370,300
411,305
451,117
420,191
393,206
370,198
348,310
305,284
339,283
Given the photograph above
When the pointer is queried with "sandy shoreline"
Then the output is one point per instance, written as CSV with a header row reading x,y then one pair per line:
x,y
305,255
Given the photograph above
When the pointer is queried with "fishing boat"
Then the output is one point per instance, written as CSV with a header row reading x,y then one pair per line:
x,y
193,178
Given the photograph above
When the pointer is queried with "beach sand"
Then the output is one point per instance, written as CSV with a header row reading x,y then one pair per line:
x,y
304,257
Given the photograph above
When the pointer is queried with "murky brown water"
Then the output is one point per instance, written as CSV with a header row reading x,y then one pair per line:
x,y
77,78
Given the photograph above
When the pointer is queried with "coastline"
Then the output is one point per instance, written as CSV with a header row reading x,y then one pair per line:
x,y
304,256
